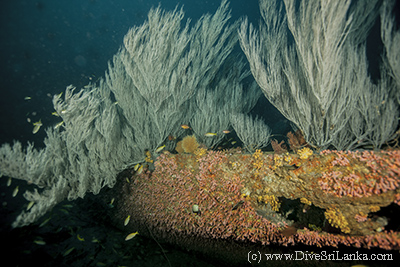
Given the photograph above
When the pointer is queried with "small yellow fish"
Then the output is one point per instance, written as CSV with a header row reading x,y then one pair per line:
x,y
140,170
37,126
58,125
66,212
184,126
111,203
80,238
233,142
39,242
127,180
226,131
15,192
30,205
130,236
9,181
136,167
68,251
158,150
44,222
55,114
27,98
210,134
127,220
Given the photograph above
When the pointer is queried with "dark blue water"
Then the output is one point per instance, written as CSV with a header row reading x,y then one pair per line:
x,y
48,45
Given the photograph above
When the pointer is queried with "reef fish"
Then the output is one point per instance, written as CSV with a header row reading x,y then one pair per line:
x,y
80,238
136,167
127,220
39,242
130,236
58,125
37,126
67,252
15,192
30,205
160,149
140,170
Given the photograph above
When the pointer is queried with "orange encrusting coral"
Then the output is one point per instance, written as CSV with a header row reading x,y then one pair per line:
x,y
188,144
238,196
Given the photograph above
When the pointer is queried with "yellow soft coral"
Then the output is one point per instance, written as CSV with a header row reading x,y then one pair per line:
x,y
148,157
272,201
374,208
278,160
257,154
305,201
336,219
258,162
199,152
288,158
304,153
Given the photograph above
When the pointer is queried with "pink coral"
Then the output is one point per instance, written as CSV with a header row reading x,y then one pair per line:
x,y
341,160
379,175
362,217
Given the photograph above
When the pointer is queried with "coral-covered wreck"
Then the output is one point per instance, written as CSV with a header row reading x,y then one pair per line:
x,y
211,200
